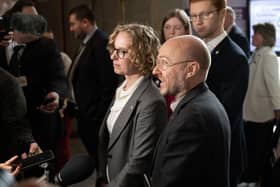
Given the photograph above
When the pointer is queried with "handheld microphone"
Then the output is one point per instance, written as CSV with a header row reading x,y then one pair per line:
x,y
77,169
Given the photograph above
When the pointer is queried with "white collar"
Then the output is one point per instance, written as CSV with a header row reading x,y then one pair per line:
x,y
215,41
175,103
89,35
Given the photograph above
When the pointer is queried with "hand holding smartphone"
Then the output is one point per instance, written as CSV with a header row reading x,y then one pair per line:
x,y
34,160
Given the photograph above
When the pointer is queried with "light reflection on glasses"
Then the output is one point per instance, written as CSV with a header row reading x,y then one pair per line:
x,y
202,16
163,63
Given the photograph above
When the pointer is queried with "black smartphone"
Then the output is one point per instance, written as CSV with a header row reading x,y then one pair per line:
x,y
34,160
48,100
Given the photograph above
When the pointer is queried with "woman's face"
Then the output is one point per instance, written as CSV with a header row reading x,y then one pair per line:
x,y
173,27
121,55
257,40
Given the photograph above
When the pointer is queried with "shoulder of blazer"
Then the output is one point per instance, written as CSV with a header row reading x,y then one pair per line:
x,y
192,94
229,50
97,39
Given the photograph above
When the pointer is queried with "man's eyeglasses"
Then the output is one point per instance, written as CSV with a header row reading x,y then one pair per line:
x,y
119,52
163,63
202,16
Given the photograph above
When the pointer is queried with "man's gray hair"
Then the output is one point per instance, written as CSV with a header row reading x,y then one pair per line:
x,y
29,23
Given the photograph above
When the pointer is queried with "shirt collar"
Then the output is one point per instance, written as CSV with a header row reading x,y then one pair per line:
x,y
89,35
175,103
214,42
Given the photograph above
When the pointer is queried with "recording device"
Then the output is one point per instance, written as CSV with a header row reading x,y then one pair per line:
x,y
48,100
77,169
6,179
34,160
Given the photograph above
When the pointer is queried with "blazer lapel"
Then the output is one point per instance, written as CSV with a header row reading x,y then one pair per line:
x,y
127,111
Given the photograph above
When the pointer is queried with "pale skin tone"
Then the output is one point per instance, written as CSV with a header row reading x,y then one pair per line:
x,y
8,166
124,66
209,28
80,28
173,27
178,78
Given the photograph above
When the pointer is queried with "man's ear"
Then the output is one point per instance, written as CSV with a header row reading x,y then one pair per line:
x,y
192,69
85,21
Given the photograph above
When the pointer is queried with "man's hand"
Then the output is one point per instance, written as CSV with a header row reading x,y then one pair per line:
x,y
34,149
53,103
6,39
8,166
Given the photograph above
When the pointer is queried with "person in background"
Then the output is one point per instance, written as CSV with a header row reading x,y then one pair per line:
x,y
194,148
16,135
16,138
7,44
262,101
40,72
228,74
91,78
234,32
175,23
138,113
64,148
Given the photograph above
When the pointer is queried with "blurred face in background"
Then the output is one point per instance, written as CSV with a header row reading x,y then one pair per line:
x,y
29,10
257,40
77,27
120,55
207,20
174,27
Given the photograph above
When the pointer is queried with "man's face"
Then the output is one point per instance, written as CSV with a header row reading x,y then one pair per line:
x,y
172,77
20,37
29,10
207,20
76,26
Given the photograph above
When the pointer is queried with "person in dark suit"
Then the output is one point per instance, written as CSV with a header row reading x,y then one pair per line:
x,y
16,137
234,31
138,112
40,72
91,78
194,148
228,74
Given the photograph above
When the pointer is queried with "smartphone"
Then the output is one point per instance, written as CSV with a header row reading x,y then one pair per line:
x,y
34,160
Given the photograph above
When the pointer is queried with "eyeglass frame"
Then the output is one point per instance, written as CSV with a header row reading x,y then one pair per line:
x,y
166,65
203,15
120,53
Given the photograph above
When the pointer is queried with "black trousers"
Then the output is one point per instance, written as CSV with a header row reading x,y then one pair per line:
x,y
259,139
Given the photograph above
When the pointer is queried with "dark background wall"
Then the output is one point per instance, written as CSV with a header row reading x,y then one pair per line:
x,y
111,12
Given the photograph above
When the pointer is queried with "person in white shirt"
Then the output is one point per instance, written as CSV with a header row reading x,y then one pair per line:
x,y
262,101
138,112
